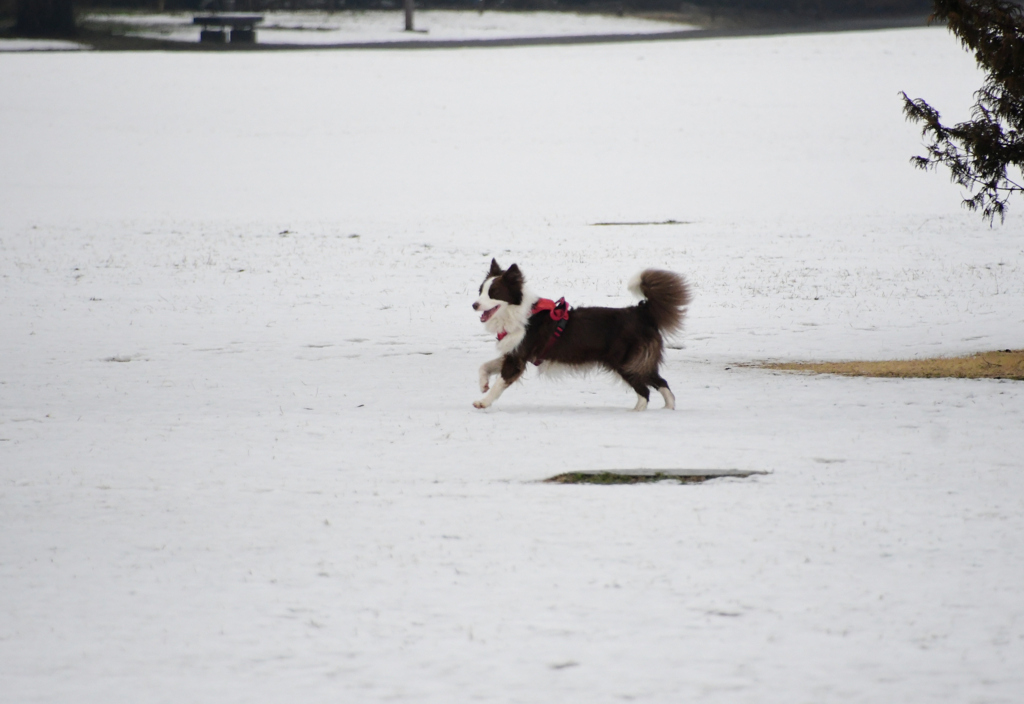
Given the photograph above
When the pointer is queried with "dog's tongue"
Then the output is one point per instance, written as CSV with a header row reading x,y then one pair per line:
x,y
487,314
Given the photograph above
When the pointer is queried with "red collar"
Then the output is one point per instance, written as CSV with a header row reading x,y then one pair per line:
x,y
502,335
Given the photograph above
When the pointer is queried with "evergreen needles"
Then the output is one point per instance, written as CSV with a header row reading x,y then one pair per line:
x,y
985,154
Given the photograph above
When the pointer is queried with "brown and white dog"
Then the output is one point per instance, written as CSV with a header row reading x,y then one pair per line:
x,y
626,341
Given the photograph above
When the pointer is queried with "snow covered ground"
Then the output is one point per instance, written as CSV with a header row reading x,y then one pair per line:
x,y
40,45
238,460
370,26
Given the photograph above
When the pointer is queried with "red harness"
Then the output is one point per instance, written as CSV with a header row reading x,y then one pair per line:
x,y
559,312
559,309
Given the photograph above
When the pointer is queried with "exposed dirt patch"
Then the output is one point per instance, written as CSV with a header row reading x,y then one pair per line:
x,y
1001,364
640,223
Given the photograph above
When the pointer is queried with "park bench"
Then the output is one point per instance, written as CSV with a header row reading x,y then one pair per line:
x,y
242,28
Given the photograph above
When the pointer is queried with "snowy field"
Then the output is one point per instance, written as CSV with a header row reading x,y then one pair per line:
x,y
371,26
238,456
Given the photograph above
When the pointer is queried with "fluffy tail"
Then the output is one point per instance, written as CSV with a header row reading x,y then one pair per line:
x,y
667,295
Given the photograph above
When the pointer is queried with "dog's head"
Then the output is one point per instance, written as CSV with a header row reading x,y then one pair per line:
x,y
501,289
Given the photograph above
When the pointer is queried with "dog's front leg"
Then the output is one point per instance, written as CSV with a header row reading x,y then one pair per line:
x,y
487,370
511,370
492,395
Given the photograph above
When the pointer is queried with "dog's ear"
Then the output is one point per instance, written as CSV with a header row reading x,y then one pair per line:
x,y
495,268
512,285
513,276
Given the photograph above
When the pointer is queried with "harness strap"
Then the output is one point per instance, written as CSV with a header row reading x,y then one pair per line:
x,y
559,311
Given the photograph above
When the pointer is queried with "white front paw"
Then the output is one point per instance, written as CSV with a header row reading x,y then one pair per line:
x,y
482,403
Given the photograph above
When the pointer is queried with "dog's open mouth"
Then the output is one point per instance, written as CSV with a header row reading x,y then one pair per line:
x,y
488,313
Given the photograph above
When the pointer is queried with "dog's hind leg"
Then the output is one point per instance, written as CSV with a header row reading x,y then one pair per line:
x,y
642,392
666,393
670,398
487,370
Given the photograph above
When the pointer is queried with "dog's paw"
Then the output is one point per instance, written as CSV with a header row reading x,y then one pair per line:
x,y
480,404
485,387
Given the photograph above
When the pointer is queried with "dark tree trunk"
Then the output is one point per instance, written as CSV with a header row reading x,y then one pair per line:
x,y
47,18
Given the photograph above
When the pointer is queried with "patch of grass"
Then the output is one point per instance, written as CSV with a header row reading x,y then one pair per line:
x,y
1001,364
633,477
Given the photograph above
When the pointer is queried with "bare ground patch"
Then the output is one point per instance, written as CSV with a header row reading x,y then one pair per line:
x,y
640,476
1000,364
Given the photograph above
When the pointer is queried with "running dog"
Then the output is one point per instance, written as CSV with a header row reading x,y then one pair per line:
x,y
627,341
